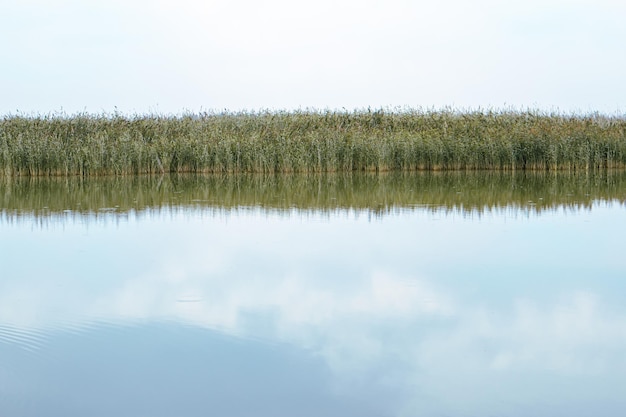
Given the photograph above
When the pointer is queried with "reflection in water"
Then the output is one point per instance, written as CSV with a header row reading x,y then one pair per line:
x,y
257,312
167,370
375,193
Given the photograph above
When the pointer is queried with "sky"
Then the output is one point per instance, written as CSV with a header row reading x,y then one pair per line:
x,y
182,56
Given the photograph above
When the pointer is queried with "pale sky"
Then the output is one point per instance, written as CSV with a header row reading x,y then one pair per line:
x,y
188,55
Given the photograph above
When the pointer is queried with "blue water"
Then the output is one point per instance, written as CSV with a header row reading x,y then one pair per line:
x,y
254,312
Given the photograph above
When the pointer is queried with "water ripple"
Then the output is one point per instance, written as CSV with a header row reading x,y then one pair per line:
x,y
29,339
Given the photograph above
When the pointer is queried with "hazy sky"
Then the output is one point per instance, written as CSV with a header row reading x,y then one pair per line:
x,y
172,56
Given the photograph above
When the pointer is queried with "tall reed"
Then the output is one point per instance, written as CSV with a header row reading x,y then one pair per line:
x,y
308,141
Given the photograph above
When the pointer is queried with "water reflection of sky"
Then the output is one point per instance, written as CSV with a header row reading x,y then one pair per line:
x,y
263,313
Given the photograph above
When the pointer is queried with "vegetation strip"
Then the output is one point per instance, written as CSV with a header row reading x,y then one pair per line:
x,y
308,141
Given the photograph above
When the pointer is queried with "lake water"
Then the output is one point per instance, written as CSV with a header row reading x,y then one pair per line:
x,y
422,294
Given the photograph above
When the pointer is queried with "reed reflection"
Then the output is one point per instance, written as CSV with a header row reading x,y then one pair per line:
x,y
376,194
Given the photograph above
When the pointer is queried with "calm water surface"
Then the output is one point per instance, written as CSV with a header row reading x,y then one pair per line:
x,y
396,295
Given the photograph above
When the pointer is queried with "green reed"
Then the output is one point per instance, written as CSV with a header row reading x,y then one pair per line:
x,y
308,141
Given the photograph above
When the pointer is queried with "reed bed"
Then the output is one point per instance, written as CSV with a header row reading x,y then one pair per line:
x,y
308,141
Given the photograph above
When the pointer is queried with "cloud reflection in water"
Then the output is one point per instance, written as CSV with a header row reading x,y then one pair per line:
x,y
416,313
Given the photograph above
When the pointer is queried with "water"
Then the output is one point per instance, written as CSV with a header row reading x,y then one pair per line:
x,y
392,295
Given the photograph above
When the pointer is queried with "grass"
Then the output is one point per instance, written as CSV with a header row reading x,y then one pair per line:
x,y
308,141
374,194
